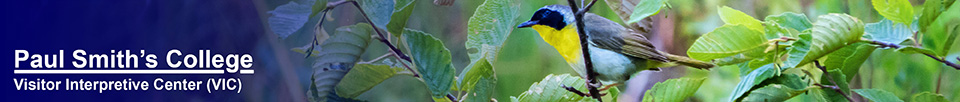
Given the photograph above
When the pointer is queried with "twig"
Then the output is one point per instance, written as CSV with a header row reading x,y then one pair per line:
x,y
319,25
574,90
892,45
592,82
830,78
395,52
375,29
451,97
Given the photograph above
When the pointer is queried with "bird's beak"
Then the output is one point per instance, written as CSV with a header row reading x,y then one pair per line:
x,y
527,24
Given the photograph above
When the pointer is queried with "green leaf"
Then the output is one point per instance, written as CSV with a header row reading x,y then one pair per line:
x,y
900,11
726,41
345,45
915,50
791,20
362,77
336,55
289,18
490,25
612,94
735,17
432,60
940,35
745,56
755,77
646,8
479,81
849,58
790,80
323,83
672,90
318,6
830,94
772,93
931,10
878,95
549,90
774,30
379,11
832,32
928,97
401,13
888,32
799,50
321,36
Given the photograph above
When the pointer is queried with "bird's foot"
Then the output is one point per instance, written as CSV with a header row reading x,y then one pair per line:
x,y
606,87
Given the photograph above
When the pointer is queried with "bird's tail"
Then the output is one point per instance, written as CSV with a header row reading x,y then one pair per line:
x,y
686,61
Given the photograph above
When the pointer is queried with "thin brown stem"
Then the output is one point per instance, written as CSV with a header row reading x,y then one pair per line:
x,y
383,38
592,82
830,78
574,90
892,45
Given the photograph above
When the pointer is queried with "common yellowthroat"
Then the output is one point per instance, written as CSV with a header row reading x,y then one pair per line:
x,y
617,52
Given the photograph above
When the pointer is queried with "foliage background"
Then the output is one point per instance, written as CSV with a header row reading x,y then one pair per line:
x,y
525,58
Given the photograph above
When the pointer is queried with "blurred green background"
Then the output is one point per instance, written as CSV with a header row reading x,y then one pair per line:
x,y
525,58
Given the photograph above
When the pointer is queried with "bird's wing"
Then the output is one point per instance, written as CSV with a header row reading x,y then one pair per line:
x,y
606,34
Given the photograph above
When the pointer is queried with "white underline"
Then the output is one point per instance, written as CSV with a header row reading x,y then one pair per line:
x,y
159,71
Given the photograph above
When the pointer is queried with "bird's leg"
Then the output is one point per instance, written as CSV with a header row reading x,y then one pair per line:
x,y
605,87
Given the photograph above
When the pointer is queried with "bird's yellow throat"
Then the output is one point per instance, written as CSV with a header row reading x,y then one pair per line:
x,y
566,41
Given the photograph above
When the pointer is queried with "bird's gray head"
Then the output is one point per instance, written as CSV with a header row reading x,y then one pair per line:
x,y
556,16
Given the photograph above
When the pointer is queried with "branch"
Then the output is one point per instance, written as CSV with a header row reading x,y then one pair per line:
x,y
896,46
574,90
830,78
395,52
592,82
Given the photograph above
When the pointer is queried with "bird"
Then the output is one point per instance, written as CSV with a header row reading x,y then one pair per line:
x,y
616,52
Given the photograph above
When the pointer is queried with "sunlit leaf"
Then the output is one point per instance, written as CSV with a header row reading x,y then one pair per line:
x,y
888,32
432,60
900,11
726,41
624,9
878,95
672,90
549,90
401,13
849,58
928,97
774,30
735,17
755,77
772,93
931,10
791,20
940,35
479,81
646,8
832,32
490,25
915,50
363,77
799,49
